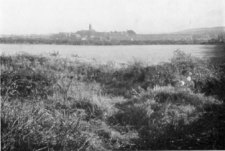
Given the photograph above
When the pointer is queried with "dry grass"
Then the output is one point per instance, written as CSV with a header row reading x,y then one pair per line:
x,y
51,103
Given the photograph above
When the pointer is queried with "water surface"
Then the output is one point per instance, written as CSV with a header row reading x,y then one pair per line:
x,y
147,53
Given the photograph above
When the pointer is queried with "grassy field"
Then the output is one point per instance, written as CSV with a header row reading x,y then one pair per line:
x,y
52,103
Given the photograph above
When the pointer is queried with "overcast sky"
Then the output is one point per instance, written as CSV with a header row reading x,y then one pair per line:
x,y
143,16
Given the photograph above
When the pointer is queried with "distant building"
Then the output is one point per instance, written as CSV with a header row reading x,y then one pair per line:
x,y
84,38
78,35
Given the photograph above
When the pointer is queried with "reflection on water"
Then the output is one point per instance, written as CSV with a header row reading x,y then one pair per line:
x,y
216,53
215,50
147,53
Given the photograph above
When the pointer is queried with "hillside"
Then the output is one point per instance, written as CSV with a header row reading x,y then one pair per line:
x,y
203,31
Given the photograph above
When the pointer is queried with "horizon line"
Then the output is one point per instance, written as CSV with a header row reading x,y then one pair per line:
x,y
172,32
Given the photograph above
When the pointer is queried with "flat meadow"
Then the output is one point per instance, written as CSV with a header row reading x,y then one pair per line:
x,y
53,103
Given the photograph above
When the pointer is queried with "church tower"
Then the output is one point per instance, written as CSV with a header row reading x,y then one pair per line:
x,y
90,28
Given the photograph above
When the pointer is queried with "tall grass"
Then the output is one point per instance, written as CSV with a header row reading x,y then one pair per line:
x,y
51,103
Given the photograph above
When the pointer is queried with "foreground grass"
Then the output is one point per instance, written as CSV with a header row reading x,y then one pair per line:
x,y
51,103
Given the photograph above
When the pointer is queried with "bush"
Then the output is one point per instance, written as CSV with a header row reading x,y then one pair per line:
x,y
159,115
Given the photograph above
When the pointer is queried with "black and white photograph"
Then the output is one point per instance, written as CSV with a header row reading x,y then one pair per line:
x,y
104,75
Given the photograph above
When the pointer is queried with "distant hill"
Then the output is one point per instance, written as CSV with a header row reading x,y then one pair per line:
x,y
200,31
189,36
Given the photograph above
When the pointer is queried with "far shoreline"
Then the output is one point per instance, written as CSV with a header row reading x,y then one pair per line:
x,y
220,44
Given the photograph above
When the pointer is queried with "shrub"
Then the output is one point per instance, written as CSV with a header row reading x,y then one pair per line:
x,y
26,84
158,112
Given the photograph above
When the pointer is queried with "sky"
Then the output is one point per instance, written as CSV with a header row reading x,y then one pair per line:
x,y
142,16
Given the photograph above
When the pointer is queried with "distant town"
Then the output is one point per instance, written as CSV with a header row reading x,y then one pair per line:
x,y
215,35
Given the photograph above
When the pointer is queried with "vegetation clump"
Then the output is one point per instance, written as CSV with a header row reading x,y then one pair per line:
x,y
52,103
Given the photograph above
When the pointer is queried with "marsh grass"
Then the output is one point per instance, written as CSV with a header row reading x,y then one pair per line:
x,y
54,103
